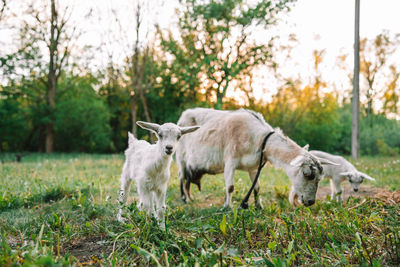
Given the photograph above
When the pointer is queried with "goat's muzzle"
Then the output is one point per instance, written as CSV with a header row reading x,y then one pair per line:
x,y
168,149
309,202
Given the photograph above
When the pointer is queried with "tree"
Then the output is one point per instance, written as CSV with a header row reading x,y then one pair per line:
x,y
302,110
392,93
114,91
134,43
57,55
44,49
216,43
374,62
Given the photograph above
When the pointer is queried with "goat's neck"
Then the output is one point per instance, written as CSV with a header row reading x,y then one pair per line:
x,y
161,159
280,152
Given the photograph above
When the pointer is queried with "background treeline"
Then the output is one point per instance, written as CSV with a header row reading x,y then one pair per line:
x,y
51,100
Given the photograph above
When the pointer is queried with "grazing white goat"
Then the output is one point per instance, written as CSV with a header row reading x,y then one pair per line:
x,y
149,164
344,171
230,140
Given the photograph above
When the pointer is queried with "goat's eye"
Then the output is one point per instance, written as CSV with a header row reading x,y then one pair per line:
x,y
310,173
160,135
179,137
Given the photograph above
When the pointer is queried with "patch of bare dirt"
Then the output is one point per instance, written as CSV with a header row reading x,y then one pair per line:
x,y
88,250
363,192
208,201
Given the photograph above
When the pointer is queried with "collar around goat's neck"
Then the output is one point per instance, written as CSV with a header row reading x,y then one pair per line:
x,y
264,143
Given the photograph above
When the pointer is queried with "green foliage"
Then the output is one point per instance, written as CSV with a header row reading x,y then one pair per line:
x,y
81,118
116,97
13,124
379,135
305,115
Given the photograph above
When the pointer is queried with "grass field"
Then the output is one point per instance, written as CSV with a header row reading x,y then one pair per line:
x,y
61,210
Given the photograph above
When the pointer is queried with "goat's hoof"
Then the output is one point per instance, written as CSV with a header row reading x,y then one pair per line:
x,y
121,219
259,206
184,199
161,225
226,208
244,205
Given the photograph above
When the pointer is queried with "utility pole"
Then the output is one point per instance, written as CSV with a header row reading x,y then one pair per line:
x,y
355,133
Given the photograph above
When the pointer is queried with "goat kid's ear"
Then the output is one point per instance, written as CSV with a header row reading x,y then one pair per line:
x,y
327,162
148,126
366,176
306,147
298,161
189,129
131,138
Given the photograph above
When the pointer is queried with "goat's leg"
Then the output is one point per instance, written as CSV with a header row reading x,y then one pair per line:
x,y
160,205
336,190
183,194
257,199
187,189
145,200
123,192
292,196
229,171
184,184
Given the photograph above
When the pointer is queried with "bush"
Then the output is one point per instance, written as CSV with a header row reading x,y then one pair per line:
x,y
82,120
13,124
379,135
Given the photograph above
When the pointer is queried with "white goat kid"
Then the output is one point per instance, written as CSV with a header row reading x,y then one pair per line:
x,y
230,140
344,171
149,164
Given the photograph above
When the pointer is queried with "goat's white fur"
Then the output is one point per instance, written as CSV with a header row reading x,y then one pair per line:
x,y
149,164
230,140
338,173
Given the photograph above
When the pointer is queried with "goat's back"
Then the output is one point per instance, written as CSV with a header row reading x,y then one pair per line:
x,y
331,170
222,135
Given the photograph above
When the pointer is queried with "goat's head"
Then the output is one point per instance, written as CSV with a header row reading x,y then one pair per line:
x,y
306,173
168,134
355,178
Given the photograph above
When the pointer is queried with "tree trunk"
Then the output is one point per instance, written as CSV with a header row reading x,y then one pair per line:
x,y
220,96
355,136
51,95
145,106
51,81
50,138
134,112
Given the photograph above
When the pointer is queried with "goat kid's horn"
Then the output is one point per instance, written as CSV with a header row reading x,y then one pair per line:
x,y
327,162
297,161
366,176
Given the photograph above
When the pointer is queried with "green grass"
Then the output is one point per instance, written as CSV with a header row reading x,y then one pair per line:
x,y
61,209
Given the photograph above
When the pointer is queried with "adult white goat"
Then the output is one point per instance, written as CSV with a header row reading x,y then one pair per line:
x,y
344,171
229,140
149,166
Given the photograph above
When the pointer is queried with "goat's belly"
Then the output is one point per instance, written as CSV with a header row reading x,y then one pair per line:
x,y
248,162
209,161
